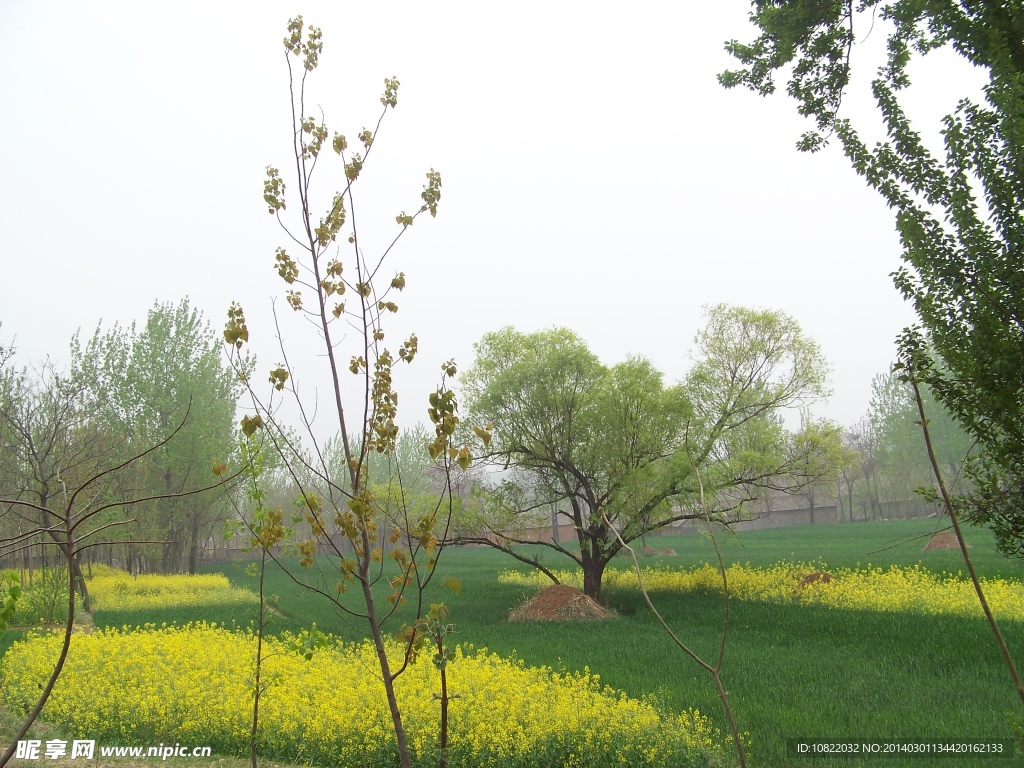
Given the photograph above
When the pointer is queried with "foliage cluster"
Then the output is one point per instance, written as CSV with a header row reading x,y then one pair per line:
x,y
45,601
957,206
893,588
10,594
189,684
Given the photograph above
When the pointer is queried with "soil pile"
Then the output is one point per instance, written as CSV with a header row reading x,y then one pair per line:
x,y
817,576
560,602
944,540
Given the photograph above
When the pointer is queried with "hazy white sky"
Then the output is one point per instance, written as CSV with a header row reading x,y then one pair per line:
x,y
595,176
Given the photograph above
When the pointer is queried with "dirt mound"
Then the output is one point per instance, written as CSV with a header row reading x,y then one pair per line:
x,y
649,551
668,551
560,602
816,577
944,540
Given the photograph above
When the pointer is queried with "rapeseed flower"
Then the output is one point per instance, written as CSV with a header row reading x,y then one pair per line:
x,y
193,684
113,590
914,589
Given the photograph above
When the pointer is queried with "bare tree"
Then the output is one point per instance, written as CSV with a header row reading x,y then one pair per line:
x,y
67,490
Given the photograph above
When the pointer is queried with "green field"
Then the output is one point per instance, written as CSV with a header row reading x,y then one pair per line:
x,y
793,671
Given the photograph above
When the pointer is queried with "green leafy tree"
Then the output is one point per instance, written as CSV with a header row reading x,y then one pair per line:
x,y
138,384
957,210
820,458
902,458
352,503
850,472
609,444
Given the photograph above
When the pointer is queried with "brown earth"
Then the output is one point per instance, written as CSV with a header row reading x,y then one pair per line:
x,y
944,540
560,602
814,578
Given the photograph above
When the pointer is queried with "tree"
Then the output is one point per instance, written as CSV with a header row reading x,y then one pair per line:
x,y
958,214
820,458
902,458
69,478
138,384
611,444
344,294
851,470
47,447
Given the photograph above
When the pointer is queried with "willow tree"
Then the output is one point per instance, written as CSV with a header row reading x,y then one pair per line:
x,y
616,444
957,207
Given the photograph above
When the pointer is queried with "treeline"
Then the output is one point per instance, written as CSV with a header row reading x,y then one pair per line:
x,y
161,390
884,461
165,390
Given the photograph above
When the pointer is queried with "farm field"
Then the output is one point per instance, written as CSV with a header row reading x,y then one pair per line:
x,y
793,669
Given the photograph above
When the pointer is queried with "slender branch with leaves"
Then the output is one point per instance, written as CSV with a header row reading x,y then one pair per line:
x,y
363,534
906,369
715,670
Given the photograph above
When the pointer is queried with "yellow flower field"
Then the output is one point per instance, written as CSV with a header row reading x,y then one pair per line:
x,y
892,589
193,685
114,590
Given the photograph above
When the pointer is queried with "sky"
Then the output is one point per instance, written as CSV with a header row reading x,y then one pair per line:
x,y
595,176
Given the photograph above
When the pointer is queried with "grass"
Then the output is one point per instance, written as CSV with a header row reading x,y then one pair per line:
x,y
792,671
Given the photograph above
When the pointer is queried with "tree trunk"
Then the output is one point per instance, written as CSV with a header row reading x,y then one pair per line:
x,y
29,565
194,549
386,676
79,579
593,571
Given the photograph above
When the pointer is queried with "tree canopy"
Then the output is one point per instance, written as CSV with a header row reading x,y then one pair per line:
x,y
957,211
617,444
140,384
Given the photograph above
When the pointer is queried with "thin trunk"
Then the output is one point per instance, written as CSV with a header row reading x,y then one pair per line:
x,y
382,656
259,664
1007,658
443,741
79,579
389,684
194,535
45,695
28,564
